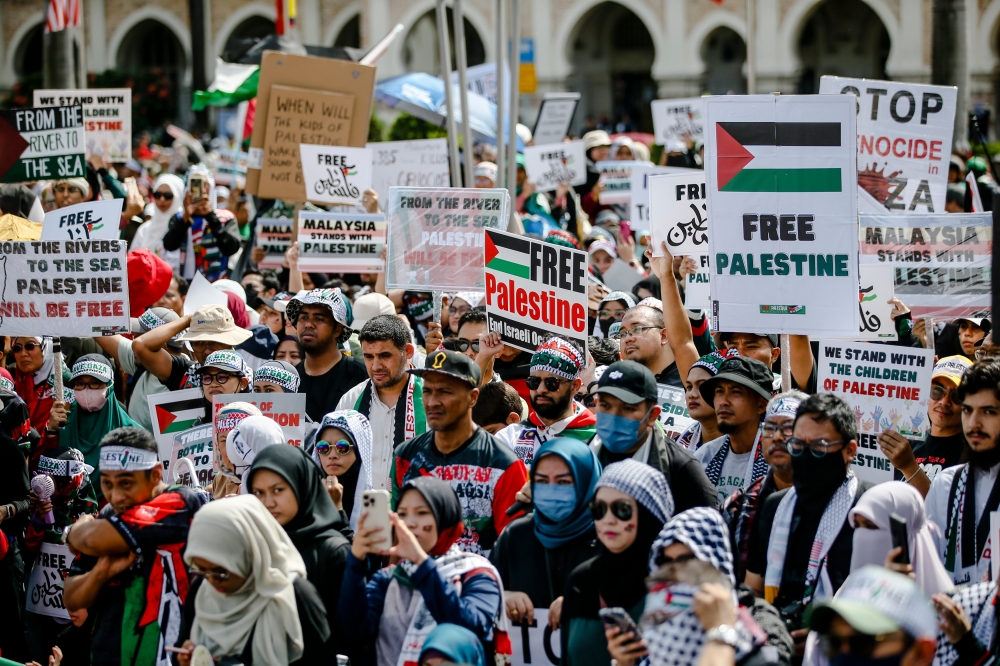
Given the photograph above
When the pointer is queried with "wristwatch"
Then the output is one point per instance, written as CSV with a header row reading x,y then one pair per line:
x,y
724,634
65,534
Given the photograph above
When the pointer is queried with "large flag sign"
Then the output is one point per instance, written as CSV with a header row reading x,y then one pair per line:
x,y
534,289
172,413
41,144
904,140
780,180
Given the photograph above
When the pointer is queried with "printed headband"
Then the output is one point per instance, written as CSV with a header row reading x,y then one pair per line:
x,y
7,385
785,406
91,368
711,362
126,459
275,374
150,320
558,357
56,467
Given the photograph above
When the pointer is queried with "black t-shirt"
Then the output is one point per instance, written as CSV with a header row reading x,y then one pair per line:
x,y
182,374
670,376
323,392
936,453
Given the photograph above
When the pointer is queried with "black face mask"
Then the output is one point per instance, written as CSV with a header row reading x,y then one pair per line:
x,y
817,478
606,325
253,299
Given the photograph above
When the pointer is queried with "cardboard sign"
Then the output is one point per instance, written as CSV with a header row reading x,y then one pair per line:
x,y
88,220
274,235
697,286
107,118
639,189
336,174
41,144
617,178
780,174
887,387
65,288
172,413
554,118
304,118
341,242
288,410
674,415
201,292
196,445
678,213
417,163
678,119
44,591
904,140
549,165
436,236
533,289
535,644
941,262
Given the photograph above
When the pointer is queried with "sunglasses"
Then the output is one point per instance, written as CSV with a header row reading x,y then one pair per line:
x,y
219,576
169,196
95,386
939,392
552,384
817,447
342,446
27,346
858,644
219,378
605,314
620,509
462,345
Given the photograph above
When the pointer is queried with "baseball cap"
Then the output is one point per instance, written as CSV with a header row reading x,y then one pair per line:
x,y
951,368
214,323
748,372
451,363
227,360
628,381
595,139
370,306
606,217
875,600
981,322
278,302
154,318
93,365
774,338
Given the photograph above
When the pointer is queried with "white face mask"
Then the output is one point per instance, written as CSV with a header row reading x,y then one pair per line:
x,y
91,400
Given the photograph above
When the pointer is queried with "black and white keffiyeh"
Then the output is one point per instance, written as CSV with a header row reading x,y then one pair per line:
x,y
979,603
703,530
756,468
645,484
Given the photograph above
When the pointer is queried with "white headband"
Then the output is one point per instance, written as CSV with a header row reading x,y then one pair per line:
x,y
127,459
56,467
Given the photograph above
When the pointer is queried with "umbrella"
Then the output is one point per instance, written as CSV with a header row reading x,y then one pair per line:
x,y
422,95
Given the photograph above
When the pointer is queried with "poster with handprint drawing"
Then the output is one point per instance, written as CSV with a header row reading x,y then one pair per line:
x,y
887,389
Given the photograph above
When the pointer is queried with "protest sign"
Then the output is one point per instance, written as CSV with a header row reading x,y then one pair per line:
x,y
286,409
780,177
436,237
875,313
274,235
620,276
72,288
335,174
547,166
174,412
677,119
535,644
44,592
533,289
639,190
107,118
201,292
417,163
91,219
41,144
196,445
678,215
554,118
341,242
904,140
697,286
482,80
886,387
941,262
617,178
674,415
231,165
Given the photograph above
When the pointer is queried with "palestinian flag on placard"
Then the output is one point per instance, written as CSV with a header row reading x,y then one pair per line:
x,y
781,166
508,254
179,416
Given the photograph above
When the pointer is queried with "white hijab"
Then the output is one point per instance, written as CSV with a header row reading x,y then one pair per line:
x,y
251,436
239,535
150,233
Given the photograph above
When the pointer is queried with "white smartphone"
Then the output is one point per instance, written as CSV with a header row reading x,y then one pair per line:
x,y
376,506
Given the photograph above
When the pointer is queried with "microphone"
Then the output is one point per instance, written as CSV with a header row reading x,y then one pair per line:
x,y
43,486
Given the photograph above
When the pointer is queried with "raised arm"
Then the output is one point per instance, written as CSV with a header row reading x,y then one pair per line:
x,y
149,351
675,317
110,346
800,359
96,537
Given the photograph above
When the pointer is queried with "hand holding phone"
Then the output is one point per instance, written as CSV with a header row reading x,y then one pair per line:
x,y
618,617
376,506
900,539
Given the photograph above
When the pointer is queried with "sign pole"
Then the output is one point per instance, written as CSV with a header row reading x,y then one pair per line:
x,y
929,332
786,365
463,91
751,50
515,80
445,54
57,367
501,97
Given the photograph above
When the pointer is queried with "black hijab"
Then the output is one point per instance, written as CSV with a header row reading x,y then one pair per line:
x,y
650,284
620,578
445,506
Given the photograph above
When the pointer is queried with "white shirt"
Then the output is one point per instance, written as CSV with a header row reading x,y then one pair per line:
x,y
526,446
937,511
383,421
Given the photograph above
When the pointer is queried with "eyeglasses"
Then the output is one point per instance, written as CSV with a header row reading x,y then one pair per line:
x,y
342,446
983,354
552,384
771,429
620,509
96,386
458,312
662,559
462,345
858,644
169,196
220,576
617,316
632,332
67,189
817,447
939,392
27,346
219,378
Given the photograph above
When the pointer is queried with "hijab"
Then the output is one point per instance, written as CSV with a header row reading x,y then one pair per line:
x,y
457,644
251,436
445,506
238,309
586,470
604,325
239,535
150,234
84,430
872,546
703,531
358,478
650,284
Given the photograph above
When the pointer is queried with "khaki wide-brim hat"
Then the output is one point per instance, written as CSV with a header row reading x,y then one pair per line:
x,y
214,323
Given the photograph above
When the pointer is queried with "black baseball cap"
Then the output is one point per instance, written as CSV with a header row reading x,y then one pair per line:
x,y
453,364
742,370
628,381
772,337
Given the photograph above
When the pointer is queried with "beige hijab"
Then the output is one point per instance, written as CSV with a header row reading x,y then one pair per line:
x,y
240,535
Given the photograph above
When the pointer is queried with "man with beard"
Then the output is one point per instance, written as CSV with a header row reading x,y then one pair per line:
x,y
740,510
961,498
391,399
739,393
554,380
804,540
323,322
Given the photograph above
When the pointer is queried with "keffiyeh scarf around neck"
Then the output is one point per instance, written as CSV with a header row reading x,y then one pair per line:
x,y
409,416
965,540
756,468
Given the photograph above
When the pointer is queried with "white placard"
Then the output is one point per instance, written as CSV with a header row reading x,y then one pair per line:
x,y
994,538
201,292
172,413
195,444
875,313
341,242
90,219
547,166
678,213
536,644
697,289
677,119
417,163
674,415
288,410
336,174
617,178
554,118
639,189
274,236
107,118
44,592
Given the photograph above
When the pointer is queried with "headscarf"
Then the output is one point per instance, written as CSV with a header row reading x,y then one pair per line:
x,y
80,183
586,470
618,143
238,309
251,436
281,373
457,644
239,535
622,297
150,234
650,284
712,361
317,515
358,478
444,504
872,546
473,298
703,531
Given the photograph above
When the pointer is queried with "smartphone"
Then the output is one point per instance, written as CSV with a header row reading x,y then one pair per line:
x,y
897,527
376,506
624,230
618,617
199,188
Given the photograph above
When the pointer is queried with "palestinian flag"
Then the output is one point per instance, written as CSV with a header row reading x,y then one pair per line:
x,y
767,169
234,83
179,416
507,254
